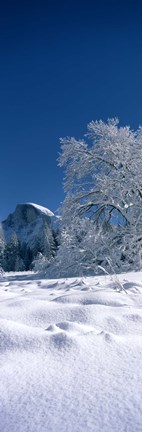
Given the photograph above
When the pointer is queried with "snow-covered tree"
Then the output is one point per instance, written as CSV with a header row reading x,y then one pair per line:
x,y
103,183
41,263
68,260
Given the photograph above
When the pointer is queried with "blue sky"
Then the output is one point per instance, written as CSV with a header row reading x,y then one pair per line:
x,y
62,64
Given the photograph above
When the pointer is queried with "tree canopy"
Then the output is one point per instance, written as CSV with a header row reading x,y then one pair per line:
x,y
103,202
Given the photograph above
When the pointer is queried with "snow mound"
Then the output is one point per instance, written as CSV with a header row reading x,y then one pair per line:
x,y
70,327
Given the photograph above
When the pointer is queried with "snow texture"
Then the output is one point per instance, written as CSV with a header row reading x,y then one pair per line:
x,y
71,354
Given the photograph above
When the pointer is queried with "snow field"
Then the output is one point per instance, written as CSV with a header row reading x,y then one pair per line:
x,y
71,354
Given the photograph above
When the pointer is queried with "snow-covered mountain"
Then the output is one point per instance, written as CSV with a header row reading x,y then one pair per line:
x,y
29,229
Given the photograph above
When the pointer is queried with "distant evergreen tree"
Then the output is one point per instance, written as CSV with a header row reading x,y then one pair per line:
x,y
1,258
11,253
27,255
1,252
48,246
19,264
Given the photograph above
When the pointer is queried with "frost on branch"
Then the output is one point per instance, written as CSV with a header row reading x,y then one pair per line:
x,y
102,210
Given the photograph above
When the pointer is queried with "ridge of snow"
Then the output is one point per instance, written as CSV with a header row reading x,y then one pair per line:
x,y
42,209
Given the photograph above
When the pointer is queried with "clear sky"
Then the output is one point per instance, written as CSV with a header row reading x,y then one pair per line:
x,y
62,64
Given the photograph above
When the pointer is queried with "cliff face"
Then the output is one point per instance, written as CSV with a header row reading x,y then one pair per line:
x,y
27,231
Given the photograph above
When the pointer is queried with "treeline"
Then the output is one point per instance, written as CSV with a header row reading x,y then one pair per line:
x,y
15,256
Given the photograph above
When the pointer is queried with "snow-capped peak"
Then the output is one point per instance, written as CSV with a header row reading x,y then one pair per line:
x,y
42,209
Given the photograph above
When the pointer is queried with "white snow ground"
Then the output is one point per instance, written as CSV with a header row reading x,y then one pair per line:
x,y
71,354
